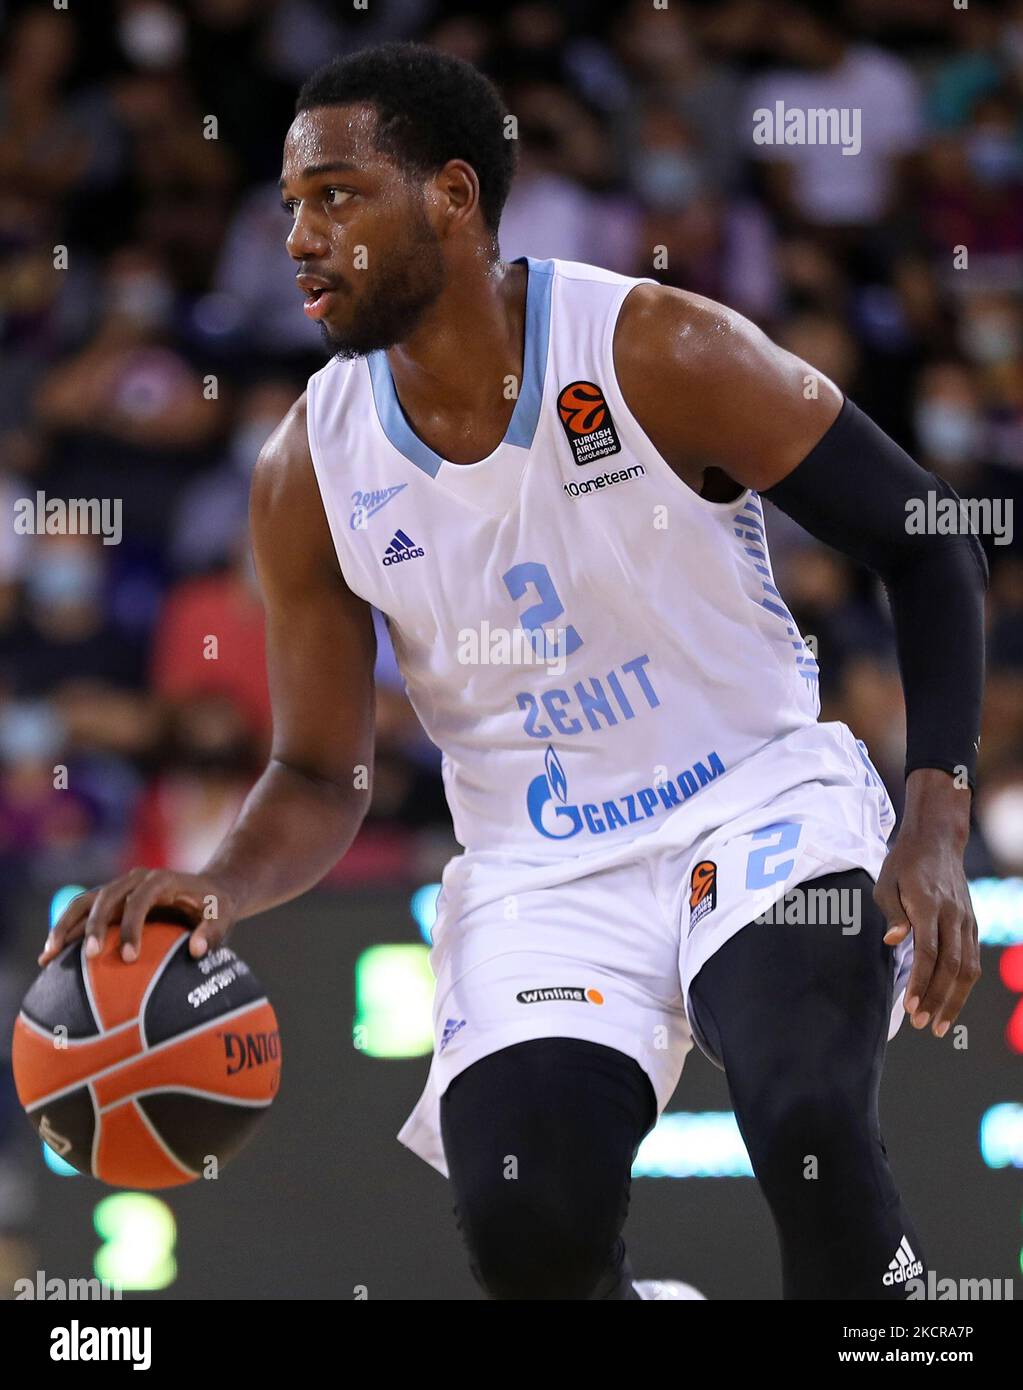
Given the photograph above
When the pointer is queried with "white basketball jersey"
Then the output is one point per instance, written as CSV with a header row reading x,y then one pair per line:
x,y
594,647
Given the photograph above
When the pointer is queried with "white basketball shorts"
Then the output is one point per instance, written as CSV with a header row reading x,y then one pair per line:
x,y
606,947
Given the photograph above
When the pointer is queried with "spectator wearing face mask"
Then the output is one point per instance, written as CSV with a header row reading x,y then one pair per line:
x,y
666,65
947,422
128,415
129,384
209,764
251,307
971,196
975,67
561,203
822,67
211,518
715,243
44,827
67,638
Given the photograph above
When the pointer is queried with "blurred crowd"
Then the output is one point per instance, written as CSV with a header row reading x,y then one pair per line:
x,y
151,337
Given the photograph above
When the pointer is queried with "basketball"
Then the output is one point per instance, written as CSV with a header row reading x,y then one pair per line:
x,y
149,1074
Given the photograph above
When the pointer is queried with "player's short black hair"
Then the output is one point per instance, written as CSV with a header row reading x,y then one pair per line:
x,y
431,107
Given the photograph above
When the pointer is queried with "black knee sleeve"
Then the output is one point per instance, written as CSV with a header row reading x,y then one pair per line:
x,y
539,1139
799,1016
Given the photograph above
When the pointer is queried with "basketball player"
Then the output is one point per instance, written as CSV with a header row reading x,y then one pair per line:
x,y
549,479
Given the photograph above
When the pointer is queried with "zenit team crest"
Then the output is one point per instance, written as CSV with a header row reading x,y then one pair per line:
x,y
703,891
587,421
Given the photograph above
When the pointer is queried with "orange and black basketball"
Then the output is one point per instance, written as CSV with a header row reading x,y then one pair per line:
x,y
150,1074
582,407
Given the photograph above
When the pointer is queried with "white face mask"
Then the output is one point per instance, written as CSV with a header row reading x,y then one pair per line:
x,y
63,577
947,433
144,297
29,731
991,337
152,36
994,156
666,178
1001,823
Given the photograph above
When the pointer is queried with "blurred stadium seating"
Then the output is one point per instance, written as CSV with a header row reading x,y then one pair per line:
x,y
150,338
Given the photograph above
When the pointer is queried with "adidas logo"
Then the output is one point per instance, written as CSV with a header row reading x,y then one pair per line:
x,y
451,1027
903,1265
402,548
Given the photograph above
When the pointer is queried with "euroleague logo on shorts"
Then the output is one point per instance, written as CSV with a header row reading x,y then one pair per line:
x,y
564,994
587,421
703,891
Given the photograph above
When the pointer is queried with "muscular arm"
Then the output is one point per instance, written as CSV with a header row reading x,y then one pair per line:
x,y
728,409
307,806
726,406
718,399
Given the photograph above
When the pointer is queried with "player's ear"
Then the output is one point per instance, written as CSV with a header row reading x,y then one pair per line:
x,y
459,194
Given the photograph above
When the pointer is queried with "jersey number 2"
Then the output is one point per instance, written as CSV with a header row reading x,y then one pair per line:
x,y
783,835
539,618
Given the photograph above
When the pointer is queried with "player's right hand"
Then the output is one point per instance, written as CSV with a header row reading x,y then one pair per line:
x,y
130,898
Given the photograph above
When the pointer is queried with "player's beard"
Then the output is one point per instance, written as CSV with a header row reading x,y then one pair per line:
x,y
397,293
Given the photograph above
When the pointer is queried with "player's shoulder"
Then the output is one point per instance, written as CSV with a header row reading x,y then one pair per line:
x,y
659,321
287,441
690,369
284,469
284,503
650,309
591,294
580,273
581,270
336,377
338,398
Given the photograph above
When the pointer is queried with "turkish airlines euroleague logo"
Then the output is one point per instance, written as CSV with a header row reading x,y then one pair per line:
x,y
587,421
703,891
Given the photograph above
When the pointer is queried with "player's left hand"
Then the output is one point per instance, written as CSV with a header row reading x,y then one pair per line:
x,y
922,889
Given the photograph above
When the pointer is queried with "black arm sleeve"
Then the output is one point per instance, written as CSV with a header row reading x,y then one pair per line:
x,y
853,491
